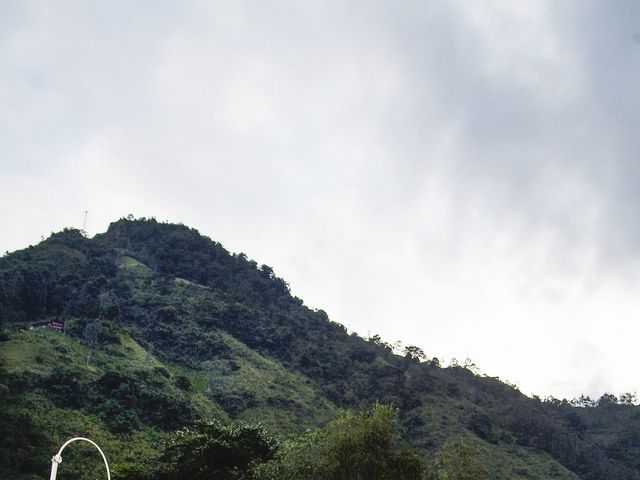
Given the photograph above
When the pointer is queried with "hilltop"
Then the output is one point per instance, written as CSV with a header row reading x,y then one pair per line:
x,y
163,326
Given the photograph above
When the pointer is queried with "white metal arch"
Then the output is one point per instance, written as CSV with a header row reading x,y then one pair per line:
x,y
57,458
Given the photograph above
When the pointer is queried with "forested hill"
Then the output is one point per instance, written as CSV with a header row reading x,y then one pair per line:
x,y
163,327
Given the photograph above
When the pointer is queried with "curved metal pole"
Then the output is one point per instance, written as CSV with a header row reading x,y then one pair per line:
x,y
57,458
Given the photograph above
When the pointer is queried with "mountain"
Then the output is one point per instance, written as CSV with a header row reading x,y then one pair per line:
x,y
163,326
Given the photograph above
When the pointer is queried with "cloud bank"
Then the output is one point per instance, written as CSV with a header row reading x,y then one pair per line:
x,y
459,176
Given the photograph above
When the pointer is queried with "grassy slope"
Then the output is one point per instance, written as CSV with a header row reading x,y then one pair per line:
x,y
283,401
445,418
40,352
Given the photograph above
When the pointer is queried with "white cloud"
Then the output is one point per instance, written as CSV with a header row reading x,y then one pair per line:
x,y
460,176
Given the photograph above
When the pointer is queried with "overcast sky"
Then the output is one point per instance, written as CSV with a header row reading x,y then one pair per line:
x,y
463,176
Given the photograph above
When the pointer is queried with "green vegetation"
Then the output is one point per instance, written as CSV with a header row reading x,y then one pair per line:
x,y
352,447
459,460
165,331
213,450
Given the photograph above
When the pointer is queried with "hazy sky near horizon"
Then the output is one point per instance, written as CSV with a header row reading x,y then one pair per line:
x,y
463,176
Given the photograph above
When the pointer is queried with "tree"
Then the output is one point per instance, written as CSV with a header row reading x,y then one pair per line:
x,y
130,471
377,340
91,337
302,458
210,450
583,401
628,398
367,445
91,333
607,399
183,383
458,460
471,366
356,446
416,353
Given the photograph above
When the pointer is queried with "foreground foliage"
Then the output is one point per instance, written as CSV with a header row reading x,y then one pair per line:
x,y
212,450
363,445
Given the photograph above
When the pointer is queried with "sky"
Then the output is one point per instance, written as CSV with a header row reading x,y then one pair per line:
x,y
460,176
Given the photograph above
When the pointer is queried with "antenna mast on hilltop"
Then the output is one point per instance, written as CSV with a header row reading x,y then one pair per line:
x,y
84,223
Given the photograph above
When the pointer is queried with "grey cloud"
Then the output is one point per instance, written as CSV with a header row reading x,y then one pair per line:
x,y
386,151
